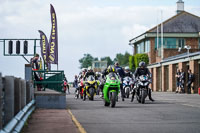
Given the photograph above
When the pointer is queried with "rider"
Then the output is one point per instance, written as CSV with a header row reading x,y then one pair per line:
x,y
82,73
87,74
121,73
127,72
105,72
142,70
80,78
66,86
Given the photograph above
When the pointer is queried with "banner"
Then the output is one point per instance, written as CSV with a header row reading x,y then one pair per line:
x,y
53,42
44,47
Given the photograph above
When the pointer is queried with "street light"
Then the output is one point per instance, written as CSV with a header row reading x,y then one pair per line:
x,y
188,47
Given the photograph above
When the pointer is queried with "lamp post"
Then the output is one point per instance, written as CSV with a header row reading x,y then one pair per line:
x,y
188,47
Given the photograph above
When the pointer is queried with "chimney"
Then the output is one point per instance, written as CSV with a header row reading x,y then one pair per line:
x,y
180,6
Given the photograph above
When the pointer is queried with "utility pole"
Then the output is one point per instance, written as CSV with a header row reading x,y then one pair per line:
x,y
162,36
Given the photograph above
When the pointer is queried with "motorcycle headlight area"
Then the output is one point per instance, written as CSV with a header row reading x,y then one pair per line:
x,y
143,83
87,83
113,81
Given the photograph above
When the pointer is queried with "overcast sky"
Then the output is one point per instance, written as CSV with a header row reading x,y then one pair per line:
x,y
99,27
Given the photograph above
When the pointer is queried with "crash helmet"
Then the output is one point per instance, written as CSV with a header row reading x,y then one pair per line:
x,y
126,68
98,74
111,69
90,68
83,69
142,64
116,64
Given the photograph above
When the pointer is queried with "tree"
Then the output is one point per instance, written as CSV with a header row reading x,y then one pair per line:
x,y
86,61
123,60
108,59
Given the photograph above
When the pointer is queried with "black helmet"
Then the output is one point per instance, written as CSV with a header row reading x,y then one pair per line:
x,y
116,64
142,64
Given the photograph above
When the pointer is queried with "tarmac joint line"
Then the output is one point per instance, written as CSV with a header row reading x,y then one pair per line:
x,y
76,122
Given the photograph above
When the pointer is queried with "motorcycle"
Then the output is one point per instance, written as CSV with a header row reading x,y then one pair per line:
x,y
65,87
127,86
142,89
91,87
79,90
111,89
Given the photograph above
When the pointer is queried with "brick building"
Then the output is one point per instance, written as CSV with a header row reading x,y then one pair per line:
x,y
166,46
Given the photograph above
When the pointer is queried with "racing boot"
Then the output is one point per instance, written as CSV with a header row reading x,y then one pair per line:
x,y
133,94
122,92
150,98
84,95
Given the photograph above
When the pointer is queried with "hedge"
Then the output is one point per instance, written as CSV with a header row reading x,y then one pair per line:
x,y
136,59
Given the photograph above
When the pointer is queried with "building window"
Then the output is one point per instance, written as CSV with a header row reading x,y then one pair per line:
x,y
147,46
140,48
170,43
181,42
199,43
97,65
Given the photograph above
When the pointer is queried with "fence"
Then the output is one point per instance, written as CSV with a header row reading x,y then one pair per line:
x,y
16,103
50,79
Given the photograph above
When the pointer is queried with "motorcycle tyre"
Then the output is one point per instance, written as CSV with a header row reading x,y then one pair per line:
x,y
143,97
113,99
127,93
91,92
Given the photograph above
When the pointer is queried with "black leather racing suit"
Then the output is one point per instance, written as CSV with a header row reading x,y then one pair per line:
x,y
139,72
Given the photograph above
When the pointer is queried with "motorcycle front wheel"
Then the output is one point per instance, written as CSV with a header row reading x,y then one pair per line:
x,y
143,96
91,92
113,99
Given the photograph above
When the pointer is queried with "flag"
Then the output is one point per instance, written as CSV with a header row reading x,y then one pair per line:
x,y
53,41
44,47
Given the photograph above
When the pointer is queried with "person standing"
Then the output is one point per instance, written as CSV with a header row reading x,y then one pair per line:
x,y
121,73
66,86
35,67
190,81
178,81
182,81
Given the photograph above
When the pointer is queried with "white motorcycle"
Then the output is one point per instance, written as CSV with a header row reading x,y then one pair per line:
x,y
127,83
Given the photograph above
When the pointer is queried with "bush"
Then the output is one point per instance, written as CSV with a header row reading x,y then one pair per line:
x,y
131,63
140,57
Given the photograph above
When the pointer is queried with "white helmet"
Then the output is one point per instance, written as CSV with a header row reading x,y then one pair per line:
x,y
89,68
84,69
127,68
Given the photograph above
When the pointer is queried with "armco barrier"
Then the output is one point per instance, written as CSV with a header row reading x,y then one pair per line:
x,y
16,103
9,98
1,102
17,123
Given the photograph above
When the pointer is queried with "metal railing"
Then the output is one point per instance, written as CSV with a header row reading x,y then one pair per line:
x,y
49,79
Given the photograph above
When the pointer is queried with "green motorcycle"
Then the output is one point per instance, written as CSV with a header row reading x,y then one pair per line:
x,y
111,89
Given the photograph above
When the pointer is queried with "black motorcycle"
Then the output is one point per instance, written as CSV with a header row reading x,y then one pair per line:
x,y
142,88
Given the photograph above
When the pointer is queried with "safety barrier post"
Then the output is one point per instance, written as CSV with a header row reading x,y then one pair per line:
x,y
9,98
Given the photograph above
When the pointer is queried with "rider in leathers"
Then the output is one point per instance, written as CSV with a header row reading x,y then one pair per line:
x,y
87,74
121,73
142,70
128,73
